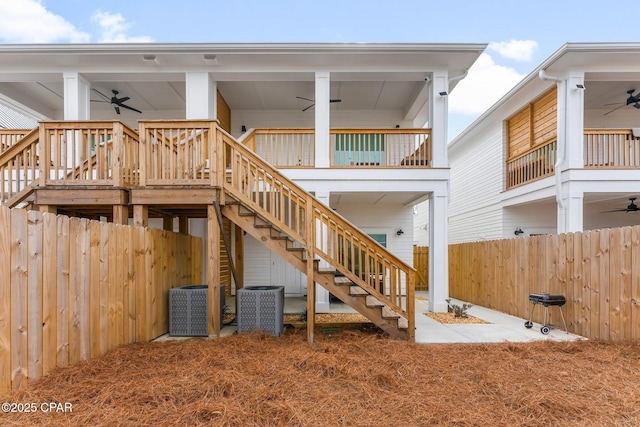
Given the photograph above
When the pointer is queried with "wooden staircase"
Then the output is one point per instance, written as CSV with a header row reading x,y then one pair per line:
x,y
341,286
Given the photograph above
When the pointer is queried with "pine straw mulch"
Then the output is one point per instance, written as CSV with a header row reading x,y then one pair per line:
x,y
353,379
450,318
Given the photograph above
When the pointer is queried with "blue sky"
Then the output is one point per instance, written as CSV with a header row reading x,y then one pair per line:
x,y
521,34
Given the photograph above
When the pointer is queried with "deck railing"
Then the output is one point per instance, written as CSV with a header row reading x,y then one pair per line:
x,y
176,152
366,148
88,153
531,166
611,149
398,148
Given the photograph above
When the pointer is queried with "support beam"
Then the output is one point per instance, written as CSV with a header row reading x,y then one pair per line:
x,y
183,225
213,272
48,209
239,254
141,215
438,117
201,96
322,111
121,214
167,223
311,284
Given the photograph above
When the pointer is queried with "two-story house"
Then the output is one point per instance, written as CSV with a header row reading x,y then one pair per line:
x,y
559,153
304,159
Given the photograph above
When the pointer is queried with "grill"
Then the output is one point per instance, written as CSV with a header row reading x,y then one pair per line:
x,y
546,300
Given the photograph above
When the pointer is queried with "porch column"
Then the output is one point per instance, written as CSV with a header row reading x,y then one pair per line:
x,y
322,118
571,217
201,93
574,121
438,118
77,91
438,252
322,295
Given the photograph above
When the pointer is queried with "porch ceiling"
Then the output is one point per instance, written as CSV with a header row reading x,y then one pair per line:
x,y
338,199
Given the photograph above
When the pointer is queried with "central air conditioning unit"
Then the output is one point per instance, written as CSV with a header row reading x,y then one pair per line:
x,y
189,310
261,308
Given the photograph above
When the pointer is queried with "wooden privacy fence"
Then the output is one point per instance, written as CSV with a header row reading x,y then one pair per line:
x,y
421,264
72,289
597,271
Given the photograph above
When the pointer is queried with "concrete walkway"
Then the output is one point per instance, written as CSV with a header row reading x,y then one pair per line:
x,y
501,328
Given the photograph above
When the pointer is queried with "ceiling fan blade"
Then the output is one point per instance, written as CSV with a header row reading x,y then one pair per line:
x,y
614,103
306,99
335,100
117,108
617,210
121,100
130,108
609,112
101,94
305,109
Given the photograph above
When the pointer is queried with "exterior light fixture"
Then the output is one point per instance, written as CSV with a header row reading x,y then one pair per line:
x,y
443,93
399,232
518,231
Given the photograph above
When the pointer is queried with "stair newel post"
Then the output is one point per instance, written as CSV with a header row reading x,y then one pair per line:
x,y
45,155
411,303
310,236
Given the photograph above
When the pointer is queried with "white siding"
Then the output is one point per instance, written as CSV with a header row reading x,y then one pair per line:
x,y
476,185
421,224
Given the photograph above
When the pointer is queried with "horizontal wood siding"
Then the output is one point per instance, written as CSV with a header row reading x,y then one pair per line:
x,y
476,184
224,113
597,271
78,288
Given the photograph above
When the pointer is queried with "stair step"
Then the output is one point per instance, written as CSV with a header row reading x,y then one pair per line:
x,y
372,301
295,249
403,323
387,313
341,280
326,270
357,290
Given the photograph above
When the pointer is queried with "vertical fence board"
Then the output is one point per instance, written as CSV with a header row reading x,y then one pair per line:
x,y
49,293
94,287
635,284
34,295
83,306
62,287
19,306
5,300
103,288
111,288
119,284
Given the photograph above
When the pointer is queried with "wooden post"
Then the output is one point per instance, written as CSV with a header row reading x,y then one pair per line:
x,y
311,284
167,223
183,225
141,215
5,302
213,272
118,153
48,209
239,254
121,214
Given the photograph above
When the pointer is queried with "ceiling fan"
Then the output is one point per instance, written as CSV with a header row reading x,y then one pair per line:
x,y
631,208
632,99
115,101
314,102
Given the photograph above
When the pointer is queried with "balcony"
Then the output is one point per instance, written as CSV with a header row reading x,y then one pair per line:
x,y
348,148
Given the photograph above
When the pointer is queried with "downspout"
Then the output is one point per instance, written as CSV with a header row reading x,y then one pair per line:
x,y
561,141
459,77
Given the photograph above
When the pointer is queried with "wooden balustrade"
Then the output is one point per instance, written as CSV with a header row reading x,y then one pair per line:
x,y
532,165
19,168
404,148
284,148
87,153
9,137
611,149
176,152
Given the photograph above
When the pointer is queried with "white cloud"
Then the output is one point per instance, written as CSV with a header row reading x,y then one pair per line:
x,y
484,85
519,50
27,21
113,29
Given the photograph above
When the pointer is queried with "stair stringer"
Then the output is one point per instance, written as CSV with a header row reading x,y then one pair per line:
x,y
282,245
